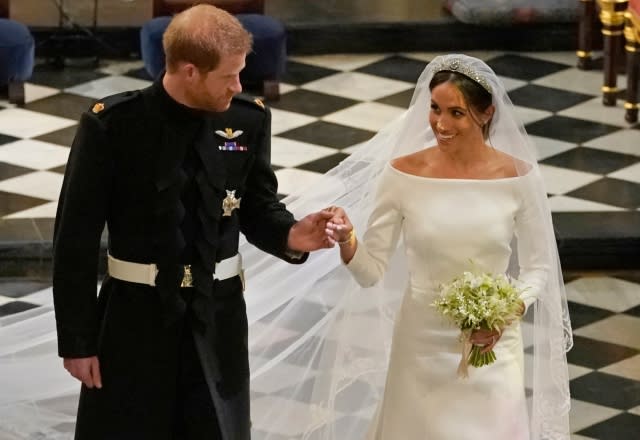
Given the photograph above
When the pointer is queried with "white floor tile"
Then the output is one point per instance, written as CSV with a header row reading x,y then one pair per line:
x,y
109,85
34,154
33,92
282,120
622,141
340,61
286,88
358,86
511,83
563,57
46,210
281,416
41,184
618,329
547,147
26,124
290,153
631,173
284,376
604,292
527,115
562,180
576,371
635,410
367,115
576,80
5,299
629,368
42,297
291,180
593,110
116,67
571,204
584,414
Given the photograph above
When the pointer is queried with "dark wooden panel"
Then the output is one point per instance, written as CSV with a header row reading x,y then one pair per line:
x,y
170,7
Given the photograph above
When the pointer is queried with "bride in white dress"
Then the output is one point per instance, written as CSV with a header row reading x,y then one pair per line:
x,y
323,365
457,206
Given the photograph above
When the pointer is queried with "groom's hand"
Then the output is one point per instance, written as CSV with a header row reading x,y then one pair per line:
x,y
309,234
86,370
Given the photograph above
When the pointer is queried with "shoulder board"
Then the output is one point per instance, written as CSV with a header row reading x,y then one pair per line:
x,y
251,100
103,106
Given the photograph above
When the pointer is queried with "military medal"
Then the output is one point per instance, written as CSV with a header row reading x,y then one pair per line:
x,y
187,278
230,144
230,203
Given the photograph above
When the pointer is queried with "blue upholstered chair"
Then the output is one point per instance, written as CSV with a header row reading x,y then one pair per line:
x,y
265,64
16,58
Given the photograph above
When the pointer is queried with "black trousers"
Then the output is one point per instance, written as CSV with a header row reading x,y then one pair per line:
x,y
195,414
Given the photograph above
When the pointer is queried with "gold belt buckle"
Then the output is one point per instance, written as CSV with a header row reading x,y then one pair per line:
x,y
187,279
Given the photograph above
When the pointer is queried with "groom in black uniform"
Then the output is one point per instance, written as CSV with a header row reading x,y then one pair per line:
x,y
175,171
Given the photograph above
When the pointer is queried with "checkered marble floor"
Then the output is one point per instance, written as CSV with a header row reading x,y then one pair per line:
x,y
604,364
590,157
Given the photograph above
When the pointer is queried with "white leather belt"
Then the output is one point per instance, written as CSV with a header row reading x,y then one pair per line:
x,y
146,273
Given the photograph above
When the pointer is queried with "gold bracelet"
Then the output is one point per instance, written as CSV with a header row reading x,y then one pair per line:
x,y
350,238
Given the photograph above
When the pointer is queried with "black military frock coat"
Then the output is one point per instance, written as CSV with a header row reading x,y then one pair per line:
x,y
126,169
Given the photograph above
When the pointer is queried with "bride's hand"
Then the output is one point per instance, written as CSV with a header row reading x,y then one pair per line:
x,y
339,227
488,338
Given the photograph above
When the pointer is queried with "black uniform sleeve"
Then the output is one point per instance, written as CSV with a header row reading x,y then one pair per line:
x,y
264,220
80,220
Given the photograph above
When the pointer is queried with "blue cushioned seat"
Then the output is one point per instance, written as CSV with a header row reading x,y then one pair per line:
x,y
265,65
16,58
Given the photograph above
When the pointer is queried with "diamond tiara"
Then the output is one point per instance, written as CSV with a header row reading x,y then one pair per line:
x,y
458,65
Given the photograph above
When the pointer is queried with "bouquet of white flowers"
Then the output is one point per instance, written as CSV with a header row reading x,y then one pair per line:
x,y
479,301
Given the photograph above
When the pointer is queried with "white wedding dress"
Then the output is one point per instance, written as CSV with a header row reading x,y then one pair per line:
x,y
446,224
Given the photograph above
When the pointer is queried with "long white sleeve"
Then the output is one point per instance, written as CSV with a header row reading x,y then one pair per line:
x,y
533,249
380,240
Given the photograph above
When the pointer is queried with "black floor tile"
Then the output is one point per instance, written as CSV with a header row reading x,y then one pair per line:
x,y
61,169
396,67
51,76
8,170
569,129
324,164
589,225
300,73
5,139
62,137
634,311
10,203
597,354
524,68
624,426
65,105
546,98
140,73
328,134
402,99
15,307
614,192
312,103
606,389
591,160
16,287
582,315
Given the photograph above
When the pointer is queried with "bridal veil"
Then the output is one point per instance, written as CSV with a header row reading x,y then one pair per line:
x,y
319,344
